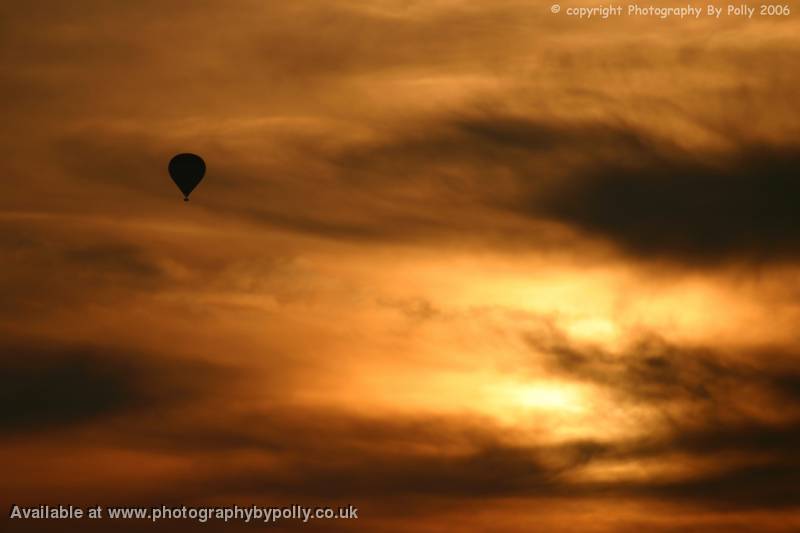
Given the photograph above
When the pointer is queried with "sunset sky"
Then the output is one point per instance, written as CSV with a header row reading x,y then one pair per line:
x,y
466,265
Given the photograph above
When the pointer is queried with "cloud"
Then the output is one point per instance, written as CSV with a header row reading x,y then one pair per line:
x,y
699,208
733,410
326,455
609,181
55,266
651,369
45,387
380,174
762,474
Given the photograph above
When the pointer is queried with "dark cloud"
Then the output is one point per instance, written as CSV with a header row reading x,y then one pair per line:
x,y
763,473
326,455
758,486
653,370
650,369
416,310
698,390
48,269
694,209
651,198
40,392
748,436
78,251
488,177
115,257
489,472
323,455
51,386
529,135
610,181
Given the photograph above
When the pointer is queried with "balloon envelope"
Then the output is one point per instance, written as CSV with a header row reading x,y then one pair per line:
x,y
187,170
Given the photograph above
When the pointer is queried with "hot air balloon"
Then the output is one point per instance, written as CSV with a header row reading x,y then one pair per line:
x,y
187,170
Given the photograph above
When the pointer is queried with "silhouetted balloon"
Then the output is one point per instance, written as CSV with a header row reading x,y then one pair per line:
x,y
187,170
